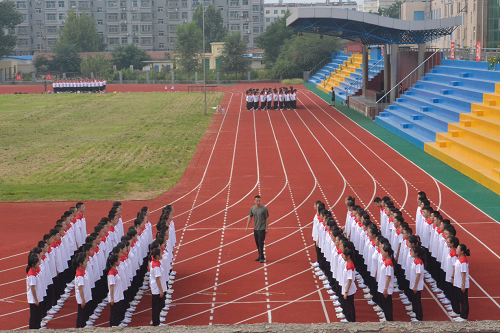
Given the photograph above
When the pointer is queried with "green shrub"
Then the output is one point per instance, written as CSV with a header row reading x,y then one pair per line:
x,y
294,82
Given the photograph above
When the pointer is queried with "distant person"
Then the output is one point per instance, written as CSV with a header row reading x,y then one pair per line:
x,y
333,97
261,222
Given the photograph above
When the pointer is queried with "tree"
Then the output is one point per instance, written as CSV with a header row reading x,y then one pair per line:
x,y
66,59
124,56
81,32
94,64
390,11
9,18
41,63
232,60
189,45
214,26
302,53
273,38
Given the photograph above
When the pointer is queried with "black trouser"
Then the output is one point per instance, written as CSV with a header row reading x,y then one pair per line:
x,y
35,318
156,309
416,304
276,105
349,310
115,314
269,105
463,299
386,305
260,235
81,317
281,104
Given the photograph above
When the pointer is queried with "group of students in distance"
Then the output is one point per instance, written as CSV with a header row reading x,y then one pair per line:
x,y
109,266
391,258
269,99
79,86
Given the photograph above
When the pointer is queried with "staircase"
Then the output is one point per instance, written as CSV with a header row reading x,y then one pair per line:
x,y
453,113
328,69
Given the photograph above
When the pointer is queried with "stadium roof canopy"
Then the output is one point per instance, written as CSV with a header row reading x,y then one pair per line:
x,y
370,29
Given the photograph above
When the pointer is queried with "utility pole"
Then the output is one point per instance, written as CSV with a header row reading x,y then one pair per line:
x,y
40,30
204,62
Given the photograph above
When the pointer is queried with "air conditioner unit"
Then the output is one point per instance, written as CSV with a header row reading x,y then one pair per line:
x,y
38,2
73,7
176,9
63,21
185,21
133,9
128,34
248,31
135,34
124,9
247,19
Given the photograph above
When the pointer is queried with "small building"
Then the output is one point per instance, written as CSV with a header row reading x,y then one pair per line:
x,y
17,65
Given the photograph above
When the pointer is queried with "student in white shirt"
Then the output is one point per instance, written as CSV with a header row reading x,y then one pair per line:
x,y
386,282
115,294
83,292
349,286
157,287
460,280
417,283
33,291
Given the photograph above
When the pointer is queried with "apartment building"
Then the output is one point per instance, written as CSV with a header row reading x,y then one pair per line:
x,y
150,24
475,17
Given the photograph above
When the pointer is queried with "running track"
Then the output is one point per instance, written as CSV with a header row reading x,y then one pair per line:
x,y
291,159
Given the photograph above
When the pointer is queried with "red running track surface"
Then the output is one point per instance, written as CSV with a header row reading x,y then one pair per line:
x,y
291,159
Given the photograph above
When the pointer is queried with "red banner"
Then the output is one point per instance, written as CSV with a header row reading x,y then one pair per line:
x,y
478,51
452,51
48,77
356,47
19,77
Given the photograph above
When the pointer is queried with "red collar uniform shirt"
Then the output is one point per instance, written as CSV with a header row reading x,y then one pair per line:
x,y
32,280
451,259
115,280
461,266
387,269
417,267
349,274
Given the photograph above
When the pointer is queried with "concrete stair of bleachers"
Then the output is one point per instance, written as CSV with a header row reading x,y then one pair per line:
x,y
453,113
328,69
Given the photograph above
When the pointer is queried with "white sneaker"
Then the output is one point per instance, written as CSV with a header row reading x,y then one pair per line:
x,y
453,314
336,303
174,273
317,269
168,296
170,282
382,320
89,323
406,302
366,290
414,319
163,313
339,310
322,277
171,277
445,301
362,285
319,273
71,284
368,296
143,288
166,308
147,274
403,296
459,319
344,321
162,319
327,286
137,297
449,308
170,291
140,292
409,307
441,295
48,317
131,309
168,301
98,310
397,290
330,292
370,302
162,324
377,308
123,325
128,314
126,320
334,297
340,316
94,317
381,314
412,314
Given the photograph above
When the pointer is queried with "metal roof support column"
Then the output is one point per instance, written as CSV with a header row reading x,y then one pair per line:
x,y
387,64
421,58
394,70
364,66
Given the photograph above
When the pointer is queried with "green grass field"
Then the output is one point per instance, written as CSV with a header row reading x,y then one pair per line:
x,y
109,146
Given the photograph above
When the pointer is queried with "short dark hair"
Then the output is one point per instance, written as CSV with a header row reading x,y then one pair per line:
x,y
257,197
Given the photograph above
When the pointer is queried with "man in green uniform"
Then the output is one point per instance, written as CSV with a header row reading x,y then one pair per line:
x,y
261,221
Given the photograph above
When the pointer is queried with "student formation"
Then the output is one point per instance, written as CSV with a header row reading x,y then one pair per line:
x,y
111,266
271,99
79,86
391,259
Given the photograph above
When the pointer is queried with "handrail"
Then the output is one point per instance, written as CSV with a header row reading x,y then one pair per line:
x,y
407,76
319,65
359,78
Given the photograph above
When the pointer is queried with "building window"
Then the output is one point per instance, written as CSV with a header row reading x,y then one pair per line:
x,y
60,4
268,19
99,22
275,12
174,16
52,42
113,4
255,30
24,17
160,21
234,15
21,4
23,42
255,8
474,9
99,9
268,11
282,11
234,3
134,3
418,15
50,4
184,4
235,27
255,19
145,29
123,16
245,26
246,38
160,9
172,40
38,10
51,17
124,28
113,29
184,15
61,16
161,33
113,41
146,41
124,40
244,2
135,28
145,4
135,40
112,17
123,4
145,16
135,16
172,27
22,30
51,30
161,45
83,4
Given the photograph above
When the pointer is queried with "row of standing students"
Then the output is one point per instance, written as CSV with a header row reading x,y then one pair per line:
x,y
382,261
277,99
109,266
